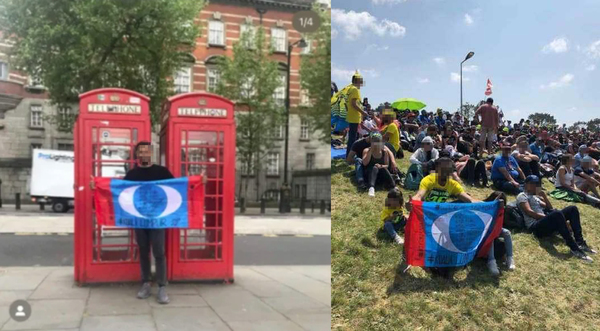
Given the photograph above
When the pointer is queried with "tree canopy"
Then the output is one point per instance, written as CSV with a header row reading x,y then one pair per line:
x,y
542,119
76,46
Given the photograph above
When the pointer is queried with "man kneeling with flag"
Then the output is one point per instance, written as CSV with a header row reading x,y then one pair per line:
x,y
442,235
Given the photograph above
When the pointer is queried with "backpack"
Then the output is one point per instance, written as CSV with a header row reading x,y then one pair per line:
x,y
414,175
513,218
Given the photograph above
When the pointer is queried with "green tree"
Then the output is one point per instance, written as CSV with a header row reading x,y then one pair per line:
x,y
594,125
542,119
315,73
468,110
77,46
250,78
578,126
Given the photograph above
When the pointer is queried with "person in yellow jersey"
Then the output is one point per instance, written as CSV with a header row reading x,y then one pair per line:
x,y
439,186
392,215
390,132
355,109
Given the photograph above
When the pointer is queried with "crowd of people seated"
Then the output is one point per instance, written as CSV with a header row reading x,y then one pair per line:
x,y
451,152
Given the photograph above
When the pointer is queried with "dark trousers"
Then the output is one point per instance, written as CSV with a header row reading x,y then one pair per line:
x,y
530,168
155,238
557,221
505,186
474,172
380,175
352,134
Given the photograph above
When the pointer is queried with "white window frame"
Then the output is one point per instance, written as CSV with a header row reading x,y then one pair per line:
x,y
3,70
245,28
311,159
273,164
307,49
212,73
304,130
64,112
180,86
278,41
216,33
279,93
35,117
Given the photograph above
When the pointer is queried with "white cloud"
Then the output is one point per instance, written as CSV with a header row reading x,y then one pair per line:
x,y
439,60
468,19
375,47
591,67
423,80
384,2
515,112
593,50
346,74
470,68
353,24
563,81
334,33
455,77
558,45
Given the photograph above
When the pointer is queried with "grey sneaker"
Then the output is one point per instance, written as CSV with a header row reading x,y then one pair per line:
x,y
399,240
584,247
582,255
144,291
162,296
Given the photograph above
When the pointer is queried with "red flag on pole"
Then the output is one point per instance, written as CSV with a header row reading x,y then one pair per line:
x,y
488,89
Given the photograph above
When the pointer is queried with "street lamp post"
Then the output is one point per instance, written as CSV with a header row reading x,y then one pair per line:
x,y
469,55
284,201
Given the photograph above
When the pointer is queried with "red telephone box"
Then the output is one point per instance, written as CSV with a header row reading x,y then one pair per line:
x,y
198,137
110,122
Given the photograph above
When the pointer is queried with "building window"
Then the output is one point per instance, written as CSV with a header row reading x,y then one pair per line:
x,y
279,94
4,70
216,33
279,132
212,79
273,164
183,80
36,117
303,129
248,171
278,39
306,49
65,147
64,112
34,146
250,31
304,191
310,161
304,98
297,191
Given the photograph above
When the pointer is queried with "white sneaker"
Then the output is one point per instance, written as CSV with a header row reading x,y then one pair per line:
x,y
399,240
371,191
493,267
581,255
510,262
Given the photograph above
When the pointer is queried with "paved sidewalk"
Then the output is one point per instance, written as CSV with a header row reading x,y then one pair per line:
x,y
244,225
262,298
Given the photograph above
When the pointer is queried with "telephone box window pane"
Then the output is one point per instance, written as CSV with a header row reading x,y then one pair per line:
x,y
197,154
183,140
183,172
115,136
115,153
221,139
135,136
202,138
94,135
202,252
183,154
114,169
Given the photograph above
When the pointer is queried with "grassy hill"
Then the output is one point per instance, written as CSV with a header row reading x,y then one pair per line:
x,y
549,290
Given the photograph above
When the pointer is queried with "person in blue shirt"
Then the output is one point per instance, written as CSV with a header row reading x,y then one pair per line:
x,y
439,119
506,174
583,151
424,117
537,147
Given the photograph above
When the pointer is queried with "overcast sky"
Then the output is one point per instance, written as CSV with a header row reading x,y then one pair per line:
x,y
541,56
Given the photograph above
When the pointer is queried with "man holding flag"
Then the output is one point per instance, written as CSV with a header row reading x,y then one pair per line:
x,y
146,237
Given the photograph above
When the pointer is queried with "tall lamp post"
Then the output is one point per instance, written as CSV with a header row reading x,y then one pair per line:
x,y
284,201
470,55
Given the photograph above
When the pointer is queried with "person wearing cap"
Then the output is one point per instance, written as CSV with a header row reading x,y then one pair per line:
x,y
423,119
439,119
534,201
489,124
430,131
507,176
391,134
586,179
377,162
425,156
355,109
355,157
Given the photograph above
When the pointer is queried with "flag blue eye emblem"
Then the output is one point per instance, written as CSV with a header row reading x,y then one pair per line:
x,y
150,201
443,235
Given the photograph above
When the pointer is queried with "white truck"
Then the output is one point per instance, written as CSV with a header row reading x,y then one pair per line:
x,y
52,176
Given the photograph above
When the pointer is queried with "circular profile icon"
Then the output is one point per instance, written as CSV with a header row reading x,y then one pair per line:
x,y
20,310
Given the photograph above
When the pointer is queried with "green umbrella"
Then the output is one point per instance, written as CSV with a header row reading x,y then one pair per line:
x,y
408,103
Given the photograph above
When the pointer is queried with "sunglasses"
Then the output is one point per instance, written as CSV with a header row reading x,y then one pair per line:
x,y
426,143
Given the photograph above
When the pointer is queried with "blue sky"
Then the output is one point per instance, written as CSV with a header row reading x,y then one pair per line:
x,y
541,56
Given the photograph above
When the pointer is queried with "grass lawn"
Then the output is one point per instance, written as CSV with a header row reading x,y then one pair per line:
x,y
549,290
